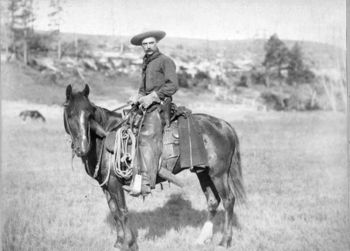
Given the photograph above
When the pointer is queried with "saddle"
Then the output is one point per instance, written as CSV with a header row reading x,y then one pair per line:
x,y
181,137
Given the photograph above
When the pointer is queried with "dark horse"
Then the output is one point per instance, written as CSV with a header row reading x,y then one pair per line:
x,y
87,123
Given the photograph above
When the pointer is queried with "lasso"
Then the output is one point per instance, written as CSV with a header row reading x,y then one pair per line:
x,y
123,159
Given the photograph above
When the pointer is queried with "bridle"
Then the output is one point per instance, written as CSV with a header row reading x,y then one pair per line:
x,y
99,157
97,167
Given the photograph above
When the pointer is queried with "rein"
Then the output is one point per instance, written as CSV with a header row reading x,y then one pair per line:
x,y
121,107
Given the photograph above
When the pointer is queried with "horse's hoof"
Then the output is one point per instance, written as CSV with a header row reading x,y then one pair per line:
x,y
202,242
118,245
226,242
134,247
123,248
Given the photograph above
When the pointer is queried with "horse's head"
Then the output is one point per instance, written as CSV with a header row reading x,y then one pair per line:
x,y
79,120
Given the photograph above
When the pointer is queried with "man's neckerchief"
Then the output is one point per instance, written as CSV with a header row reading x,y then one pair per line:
x,y
146,60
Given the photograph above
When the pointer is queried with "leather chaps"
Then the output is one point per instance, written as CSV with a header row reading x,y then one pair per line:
x,y
150,145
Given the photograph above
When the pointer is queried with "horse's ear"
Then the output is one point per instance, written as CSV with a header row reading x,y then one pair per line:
x,y
68,92
86,90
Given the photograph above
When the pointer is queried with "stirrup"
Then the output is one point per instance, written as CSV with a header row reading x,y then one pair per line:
x,y
137,188
143,192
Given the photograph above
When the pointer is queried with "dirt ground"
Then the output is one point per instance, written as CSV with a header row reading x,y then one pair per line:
x,y
294,168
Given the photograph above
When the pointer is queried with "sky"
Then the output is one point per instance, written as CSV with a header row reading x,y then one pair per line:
x,y
314,20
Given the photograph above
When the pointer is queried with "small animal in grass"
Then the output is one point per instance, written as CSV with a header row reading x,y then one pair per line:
x,y
33,114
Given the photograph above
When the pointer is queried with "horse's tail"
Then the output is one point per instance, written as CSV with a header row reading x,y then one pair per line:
x,y
235,178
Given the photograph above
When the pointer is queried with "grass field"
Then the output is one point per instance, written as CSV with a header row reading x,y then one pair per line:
x,y
294,167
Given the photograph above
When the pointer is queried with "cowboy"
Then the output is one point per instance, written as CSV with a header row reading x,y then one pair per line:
x,y
159,82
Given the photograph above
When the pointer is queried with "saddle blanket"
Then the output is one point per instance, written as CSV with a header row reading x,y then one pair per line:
x,y
110,141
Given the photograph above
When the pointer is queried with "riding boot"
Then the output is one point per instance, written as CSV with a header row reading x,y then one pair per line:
x,y
145,186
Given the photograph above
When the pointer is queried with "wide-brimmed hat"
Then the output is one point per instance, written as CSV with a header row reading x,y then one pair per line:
x,y
137,40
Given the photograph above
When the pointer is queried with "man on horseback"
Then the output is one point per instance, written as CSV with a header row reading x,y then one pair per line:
x,y
159,82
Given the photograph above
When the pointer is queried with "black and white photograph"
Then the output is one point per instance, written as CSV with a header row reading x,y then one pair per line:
x,y
199,125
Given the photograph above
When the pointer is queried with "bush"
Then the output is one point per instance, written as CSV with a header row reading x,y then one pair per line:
x,y
183,78
39,42
82,50
257,76
274,101
201,75
201,79
302,98
243,81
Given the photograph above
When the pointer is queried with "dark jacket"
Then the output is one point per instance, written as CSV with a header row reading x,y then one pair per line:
x,y
160,76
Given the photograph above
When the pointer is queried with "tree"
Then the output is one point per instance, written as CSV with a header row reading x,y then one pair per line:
x,y
276,57
5,37
298,72
55,16
21,25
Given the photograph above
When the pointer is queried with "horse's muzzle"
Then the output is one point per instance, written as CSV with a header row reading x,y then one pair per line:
x,y
81,150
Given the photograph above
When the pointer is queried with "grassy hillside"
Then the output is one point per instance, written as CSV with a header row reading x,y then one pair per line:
x,y
319,54
119,79
21,82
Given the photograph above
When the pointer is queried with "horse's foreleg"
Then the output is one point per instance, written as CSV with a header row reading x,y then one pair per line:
x,y
228,201
213,201
113,207
126,237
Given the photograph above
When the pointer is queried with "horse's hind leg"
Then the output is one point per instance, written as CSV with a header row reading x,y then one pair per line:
x,y
213,201
228,201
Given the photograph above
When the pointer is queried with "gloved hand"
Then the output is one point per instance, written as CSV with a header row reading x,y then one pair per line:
x,y
148,100
134,99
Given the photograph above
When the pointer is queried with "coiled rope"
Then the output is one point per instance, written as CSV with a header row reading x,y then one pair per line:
x,y
122,159
124,153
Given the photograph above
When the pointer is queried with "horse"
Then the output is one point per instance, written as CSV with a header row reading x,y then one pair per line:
x,y
87,123
33,114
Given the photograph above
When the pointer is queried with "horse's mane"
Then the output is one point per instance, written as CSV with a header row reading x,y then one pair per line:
x,y
105,117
